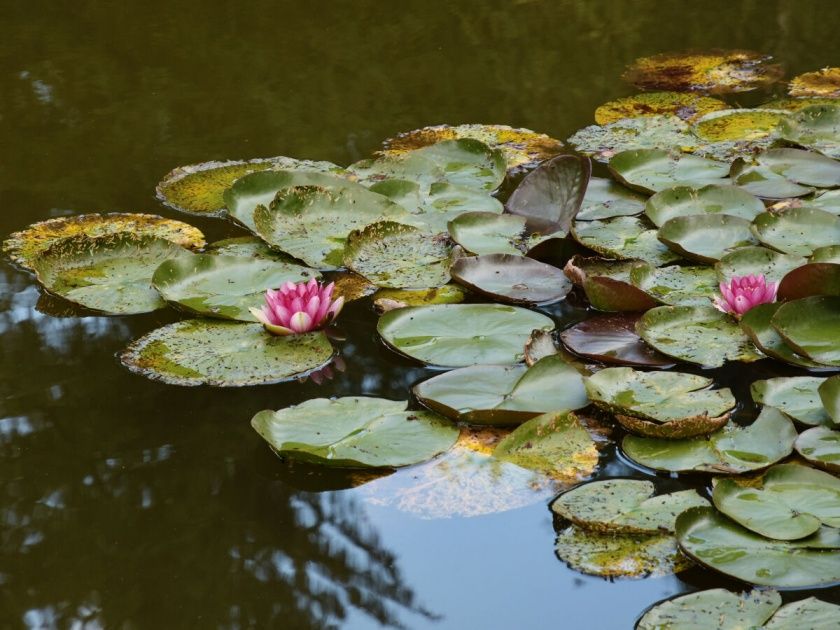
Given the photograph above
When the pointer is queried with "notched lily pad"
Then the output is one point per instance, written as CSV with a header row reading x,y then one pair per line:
x,y
624,506
676,285
631,134
607,284
612,339
652,170
355,432
199,188
757,324
623,238
458,335
685,106
706,238
715,71
682,201
797,231
388,299
755,261
733,449
714,541
816,127
714,609
821,447
829,392
25,246
811,326
488,233
796,396
697,334
816,278
110,274
224,354
512,279
824,83
605,199
247,247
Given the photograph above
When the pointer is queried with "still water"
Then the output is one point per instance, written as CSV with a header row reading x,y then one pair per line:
x,y
130,504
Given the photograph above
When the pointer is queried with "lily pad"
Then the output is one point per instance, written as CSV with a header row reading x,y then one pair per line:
x,y
497,394
632,134
685,106
605,199
715,71
612,339
796,104
247,247
810,614
512,279
110,274
652,170
706,237
820,278
738,124
684,201
626,506
522,148
755,261
676,285
790,502
721,544
757,324
485,233
355,432
388,299
657,396
762,181
623,555
697,334
553,192
803,167
199,188
796,396
554,443
312,223
821,447
811,326
715,609
623,238
823,83
223,286
733,449
607,284
816,127
224,354
24,247
830,254
829,392
351,286
398,256
458,335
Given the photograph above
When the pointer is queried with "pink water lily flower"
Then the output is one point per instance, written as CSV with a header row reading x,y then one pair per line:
x,y
745,292
298,308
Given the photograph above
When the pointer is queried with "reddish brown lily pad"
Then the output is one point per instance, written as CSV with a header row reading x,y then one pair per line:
x,y
613,339
817,278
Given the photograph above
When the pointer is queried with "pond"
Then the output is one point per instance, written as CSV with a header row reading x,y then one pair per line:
x,y
130,503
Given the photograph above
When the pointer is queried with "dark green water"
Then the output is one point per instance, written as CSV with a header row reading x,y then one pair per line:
x,y
129,504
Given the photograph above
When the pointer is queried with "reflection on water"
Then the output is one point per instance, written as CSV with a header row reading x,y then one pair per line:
x,y
127,503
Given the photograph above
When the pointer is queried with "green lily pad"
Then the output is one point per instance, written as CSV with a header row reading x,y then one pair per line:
x,y
706,237
626,506
746,261
737,133
612,339
811,326
821,447
484,233
355,432
762,181
733,449
24,247
757,324
803,167
388,299
223,286
553,192
819,278
796,396
458,335
632,134
512,279
554,443
714,609
810,614
797,231
247,247
816,127
398,256
199,188
522,148
676,285
110,274
605,199
622,555
830,254
684,201
657,396
721,544
790,502
224,354
498,394
829,392
715,71
312,223
697,334
623,238
823,83
685,106
653,170
607,284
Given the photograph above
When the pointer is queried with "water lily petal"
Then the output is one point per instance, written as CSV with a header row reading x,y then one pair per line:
x,y
300,322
